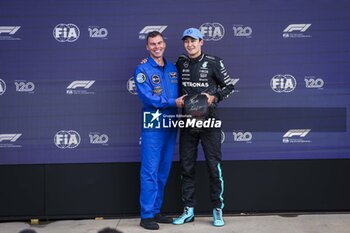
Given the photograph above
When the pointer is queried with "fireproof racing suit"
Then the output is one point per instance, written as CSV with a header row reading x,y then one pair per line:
x,y
157,88
203,74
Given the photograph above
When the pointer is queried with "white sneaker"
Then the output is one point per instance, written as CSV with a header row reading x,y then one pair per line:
x,y
217,216
187,216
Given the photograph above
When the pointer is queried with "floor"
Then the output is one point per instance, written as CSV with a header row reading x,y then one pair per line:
x,y
305,223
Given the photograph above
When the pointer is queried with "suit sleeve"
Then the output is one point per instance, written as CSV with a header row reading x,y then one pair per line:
x,y
146,94
178,68
224,81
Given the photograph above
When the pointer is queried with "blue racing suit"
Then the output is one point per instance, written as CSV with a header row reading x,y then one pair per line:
x,y
157,88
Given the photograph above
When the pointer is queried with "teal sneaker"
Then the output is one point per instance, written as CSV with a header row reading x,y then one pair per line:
x,y
187,216
217,215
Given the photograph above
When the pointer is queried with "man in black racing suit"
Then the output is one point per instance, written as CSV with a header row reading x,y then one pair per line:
x,y
201,74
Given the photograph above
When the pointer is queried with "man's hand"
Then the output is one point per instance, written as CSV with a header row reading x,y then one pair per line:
x,y
211,98
180,101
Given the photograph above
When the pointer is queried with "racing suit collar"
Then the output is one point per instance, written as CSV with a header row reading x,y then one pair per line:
x,y
197,59
154,63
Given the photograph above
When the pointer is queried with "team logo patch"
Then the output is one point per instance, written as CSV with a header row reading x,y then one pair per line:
x,y
172,74
141,78
186,64
157,90
155,79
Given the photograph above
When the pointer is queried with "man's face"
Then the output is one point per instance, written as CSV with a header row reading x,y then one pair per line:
x,y
193,47
156,46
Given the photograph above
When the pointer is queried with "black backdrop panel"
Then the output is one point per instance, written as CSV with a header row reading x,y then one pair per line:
x,y
22,191
112,190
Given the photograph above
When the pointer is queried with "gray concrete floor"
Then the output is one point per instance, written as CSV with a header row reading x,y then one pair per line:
x,y
306,223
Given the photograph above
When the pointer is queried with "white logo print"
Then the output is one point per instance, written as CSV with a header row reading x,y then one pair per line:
x,y
8,140
24,86
82,84
97,138
242,31
313,82
299,133
97,32
2,86
297,27
9,29
212,31
242,136
67,139
7,32
283,83
296,31
151,120
130,85
143,33
9,137
66,32
222,137
158,120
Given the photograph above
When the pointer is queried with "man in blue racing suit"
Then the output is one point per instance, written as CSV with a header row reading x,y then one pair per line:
x,y
157,86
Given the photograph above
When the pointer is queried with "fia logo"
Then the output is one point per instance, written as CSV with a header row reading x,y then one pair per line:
x,y
67,139
222,137
283,83
212,31
130,85
66,32
2,86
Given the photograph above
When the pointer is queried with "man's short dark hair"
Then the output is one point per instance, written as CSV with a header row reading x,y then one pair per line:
x,y
153,34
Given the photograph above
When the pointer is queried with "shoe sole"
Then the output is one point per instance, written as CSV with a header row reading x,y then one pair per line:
x,y
148,228
219,225
189,219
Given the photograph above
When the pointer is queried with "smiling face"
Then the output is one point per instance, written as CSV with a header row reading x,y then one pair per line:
x,y
193,46
156,46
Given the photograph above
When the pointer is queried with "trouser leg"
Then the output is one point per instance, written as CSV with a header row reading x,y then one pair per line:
x,y
164,167
188,155
150,158
211,143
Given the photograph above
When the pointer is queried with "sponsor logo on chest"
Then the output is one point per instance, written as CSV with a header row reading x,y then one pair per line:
x,y
195,84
